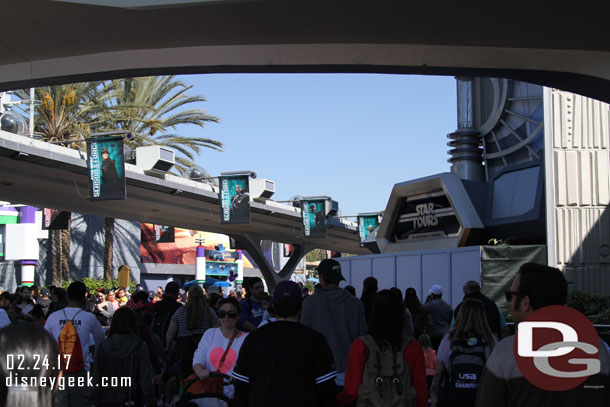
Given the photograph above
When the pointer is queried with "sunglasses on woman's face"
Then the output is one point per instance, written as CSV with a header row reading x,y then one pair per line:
x,y
224,314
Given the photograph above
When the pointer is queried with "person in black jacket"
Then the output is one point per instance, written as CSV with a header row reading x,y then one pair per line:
x,y
472,289
123,354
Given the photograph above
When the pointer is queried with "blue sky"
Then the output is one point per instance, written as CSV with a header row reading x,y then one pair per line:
x,y
351,137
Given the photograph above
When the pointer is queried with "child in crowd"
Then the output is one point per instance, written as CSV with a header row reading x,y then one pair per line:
x,y
429,356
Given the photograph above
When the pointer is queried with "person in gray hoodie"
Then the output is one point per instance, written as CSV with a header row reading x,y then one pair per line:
x,y
335,313
123,354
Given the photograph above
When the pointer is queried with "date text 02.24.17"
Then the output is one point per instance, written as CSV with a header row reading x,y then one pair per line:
x,y
36,362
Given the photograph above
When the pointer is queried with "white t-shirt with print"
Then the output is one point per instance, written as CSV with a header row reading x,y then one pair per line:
x,y
210,350
86,324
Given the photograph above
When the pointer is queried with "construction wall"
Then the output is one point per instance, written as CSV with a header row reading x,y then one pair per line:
x,y
450,268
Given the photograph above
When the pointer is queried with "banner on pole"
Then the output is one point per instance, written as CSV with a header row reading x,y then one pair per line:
x,y
106,164
234,199
314,217
367,223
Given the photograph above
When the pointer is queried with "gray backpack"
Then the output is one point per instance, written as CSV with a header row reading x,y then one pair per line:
x,y
386,379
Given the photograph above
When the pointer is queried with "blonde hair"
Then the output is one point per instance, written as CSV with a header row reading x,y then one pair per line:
x,y
196,307
471,320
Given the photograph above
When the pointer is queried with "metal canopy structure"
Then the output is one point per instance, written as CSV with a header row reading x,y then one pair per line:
x,y
41,174
48,42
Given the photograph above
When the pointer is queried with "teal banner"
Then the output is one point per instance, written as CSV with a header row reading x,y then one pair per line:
x,y
313,214
366,225
106,164
234,199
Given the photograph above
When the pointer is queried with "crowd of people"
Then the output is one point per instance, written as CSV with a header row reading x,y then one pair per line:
x,y
289,347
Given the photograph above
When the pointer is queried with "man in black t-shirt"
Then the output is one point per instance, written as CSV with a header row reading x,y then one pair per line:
x,y
284,362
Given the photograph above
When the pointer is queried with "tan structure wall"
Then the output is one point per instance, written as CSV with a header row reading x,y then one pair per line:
x,y
577,137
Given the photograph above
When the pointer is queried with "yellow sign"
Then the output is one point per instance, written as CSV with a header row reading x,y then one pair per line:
x,y
124,276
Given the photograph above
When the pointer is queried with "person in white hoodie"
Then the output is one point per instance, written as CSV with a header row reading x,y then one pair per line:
x,y
336,314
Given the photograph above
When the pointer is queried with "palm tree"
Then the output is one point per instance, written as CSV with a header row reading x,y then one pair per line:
x,y
148,107
66,113
151,107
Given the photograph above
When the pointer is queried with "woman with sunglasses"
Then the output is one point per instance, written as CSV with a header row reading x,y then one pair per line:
x,y
219,347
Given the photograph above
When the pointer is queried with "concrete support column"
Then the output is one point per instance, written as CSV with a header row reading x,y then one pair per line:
x,y
252,245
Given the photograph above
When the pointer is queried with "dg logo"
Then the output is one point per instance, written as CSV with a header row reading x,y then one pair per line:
x,y
557,348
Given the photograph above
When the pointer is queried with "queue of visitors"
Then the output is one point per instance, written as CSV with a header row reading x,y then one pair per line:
x,y
290,347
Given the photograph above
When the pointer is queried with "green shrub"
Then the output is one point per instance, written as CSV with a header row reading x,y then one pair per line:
x,y
602,318
588,304
595,306
94,284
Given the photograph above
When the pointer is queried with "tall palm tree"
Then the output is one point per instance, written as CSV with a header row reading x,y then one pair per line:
x,y
150,107
66,113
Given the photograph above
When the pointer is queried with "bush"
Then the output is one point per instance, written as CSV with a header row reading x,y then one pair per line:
x,y
94,284
588,304
602,318
595,306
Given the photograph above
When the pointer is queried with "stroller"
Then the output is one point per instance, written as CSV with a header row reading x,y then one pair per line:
x,y
190,399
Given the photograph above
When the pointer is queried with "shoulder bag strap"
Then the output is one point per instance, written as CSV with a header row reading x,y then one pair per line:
x,y
224,355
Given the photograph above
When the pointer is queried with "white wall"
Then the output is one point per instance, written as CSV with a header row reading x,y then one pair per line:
x,y
450,268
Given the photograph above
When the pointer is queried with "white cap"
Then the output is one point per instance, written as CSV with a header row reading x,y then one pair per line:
x,y
436,290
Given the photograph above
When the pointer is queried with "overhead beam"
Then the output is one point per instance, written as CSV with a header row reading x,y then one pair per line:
x,y
560,47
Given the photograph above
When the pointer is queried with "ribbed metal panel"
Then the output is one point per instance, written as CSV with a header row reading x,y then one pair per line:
x,y
580,188
593,279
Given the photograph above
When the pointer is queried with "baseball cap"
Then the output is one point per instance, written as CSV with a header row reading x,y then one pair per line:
x,y
436,290
331,270
44,291
286,291
213,289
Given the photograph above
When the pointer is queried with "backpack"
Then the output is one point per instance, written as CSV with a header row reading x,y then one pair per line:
x,y
467,362
70,348
386,379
